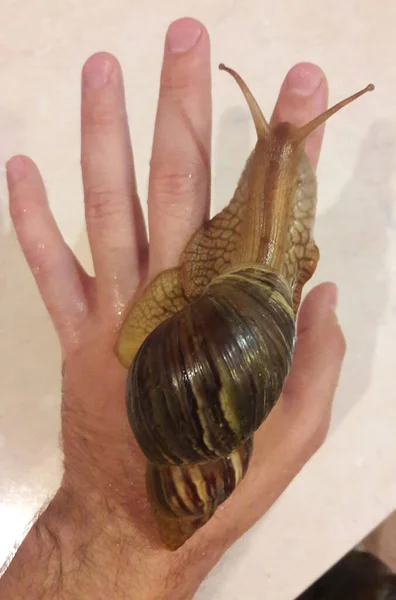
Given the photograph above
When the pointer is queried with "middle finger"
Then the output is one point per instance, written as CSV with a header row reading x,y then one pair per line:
x,y
179,187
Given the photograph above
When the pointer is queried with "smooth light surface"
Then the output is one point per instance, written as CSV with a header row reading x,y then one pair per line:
x,y
350,485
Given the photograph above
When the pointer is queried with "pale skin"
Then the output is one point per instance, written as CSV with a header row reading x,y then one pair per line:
x,y
98,538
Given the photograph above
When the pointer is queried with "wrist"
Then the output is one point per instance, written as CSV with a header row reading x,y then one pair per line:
x,y
85,547
65,554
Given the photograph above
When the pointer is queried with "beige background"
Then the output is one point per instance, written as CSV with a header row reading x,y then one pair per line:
x,y
350,485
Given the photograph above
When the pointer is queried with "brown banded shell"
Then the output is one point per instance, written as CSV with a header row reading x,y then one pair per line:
x,y
208,345
205,379
196,492
186,497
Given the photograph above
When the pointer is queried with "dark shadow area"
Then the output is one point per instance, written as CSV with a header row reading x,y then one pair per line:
x,y
365,573
357,576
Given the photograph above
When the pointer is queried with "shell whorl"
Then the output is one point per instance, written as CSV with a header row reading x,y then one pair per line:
x,y
186,497
205,379
194,492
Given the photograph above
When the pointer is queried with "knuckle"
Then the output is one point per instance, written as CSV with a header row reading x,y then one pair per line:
x,y
179,84
101,203
174,185
103,115
340,343
27,201
318,435
310,435
18,210
43,265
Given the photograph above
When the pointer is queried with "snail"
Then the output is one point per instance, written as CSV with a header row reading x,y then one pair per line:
x,y
209,344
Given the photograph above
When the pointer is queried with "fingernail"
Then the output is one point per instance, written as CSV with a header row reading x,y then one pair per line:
x,y
183,34
15,169
97,72
304,80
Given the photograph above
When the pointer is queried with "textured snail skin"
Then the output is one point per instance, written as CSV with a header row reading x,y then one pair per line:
x,y
209,344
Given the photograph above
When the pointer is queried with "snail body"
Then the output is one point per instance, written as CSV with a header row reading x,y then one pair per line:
x,y
209,344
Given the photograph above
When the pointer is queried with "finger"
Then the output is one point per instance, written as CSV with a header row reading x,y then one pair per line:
x,y
61,280
299,422
180,166
309,390
114,218
303,96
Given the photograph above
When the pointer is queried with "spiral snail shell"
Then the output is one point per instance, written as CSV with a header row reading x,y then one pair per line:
x,y
209,344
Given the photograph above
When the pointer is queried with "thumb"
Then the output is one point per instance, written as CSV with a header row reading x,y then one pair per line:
x,y
296,426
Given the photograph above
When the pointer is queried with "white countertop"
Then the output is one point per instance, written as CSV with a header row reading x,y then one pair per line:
x,y
350,484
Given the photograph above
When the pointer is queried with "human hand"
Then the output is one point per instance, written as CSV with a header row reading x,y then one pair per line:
x,y
98,537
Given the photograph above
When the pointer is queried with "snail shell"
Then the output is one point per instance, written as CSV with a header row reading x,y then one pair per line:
x,y
209,344
232,346
187,496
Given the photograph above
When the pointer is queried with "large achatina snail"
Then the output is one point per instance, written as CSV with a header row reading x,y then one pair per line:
x,y
209,344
